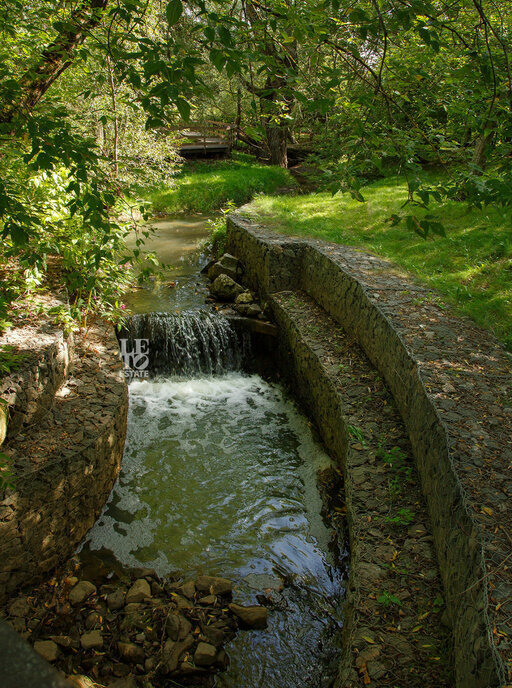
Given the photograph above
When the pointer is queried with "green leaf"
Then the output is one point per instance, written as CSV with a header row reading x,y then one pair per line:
x,y
173,11
18,235
209,32
183,108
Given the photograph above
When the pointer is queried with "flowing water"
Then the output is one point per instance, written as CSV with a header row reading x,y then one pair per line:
x,y
176,241
219,476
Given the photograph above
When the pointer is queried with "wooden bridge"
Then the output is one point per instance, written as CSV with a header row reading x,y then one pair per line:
x,y
202,139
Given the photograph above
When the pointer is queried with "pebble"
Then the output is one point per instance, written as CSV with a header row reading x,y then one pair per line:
x,y
19,607
138,592
81,591
92,620
205,654
115,600
214,585
252,617
207,601
93,640
47,649
131,653
187,590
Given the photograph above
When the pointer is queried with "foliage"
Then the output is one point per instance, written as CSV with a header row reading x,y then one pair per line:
x,y
92,93
471,266
10,359
218,229
206,187
387,599
403,517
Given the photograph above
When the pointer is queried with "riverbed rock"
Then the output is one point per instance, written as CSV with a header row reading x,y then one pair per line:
x,y
227,265
214,585
172,652
125,682
208,600
215,636
188,589
64,641
115,600
244,298
47,649
92,640
251,617
131,653
249,310
81,591
19,607
205,654
177,627
225,288
92,620
139,591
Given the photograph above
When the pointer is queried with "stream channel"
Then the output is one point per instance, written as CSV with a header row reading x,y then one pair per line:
x,y
219,476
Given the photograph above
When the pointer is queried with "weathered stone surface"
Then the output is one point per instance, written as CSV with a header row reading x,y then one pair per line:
x,y
214,585
92,640
248,310
225,289
129,652
205,654
139,591
177,627
19,607
81,592
215,636
125,682
226,265
74,453
93,619
244,298
116,600
172,652
47,649
207,600
188,590
252,617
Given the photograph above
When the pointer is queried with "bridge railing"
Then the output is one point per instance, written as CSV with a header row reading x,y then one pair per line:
x,y
203,130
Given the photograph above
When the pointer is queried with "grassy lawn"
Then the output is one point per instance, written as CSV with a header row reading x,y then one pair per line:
x,y
471,266
206,186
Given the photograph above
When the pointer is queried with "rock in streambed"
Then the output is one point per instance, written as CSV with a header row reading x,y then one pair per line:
x,y
133,627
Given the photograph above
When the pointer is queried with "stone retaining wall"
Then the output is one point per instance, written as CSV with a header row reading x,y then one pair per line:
x,y
27,393
406,336
64,464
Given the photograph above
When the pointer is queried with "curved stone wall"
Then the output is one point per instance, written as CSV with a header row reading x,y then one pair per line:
x,y
64,462
416,346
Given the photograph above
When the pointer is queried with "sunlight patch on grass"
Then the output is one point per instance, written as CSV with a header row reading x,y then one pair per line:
x,y
205,187
471,266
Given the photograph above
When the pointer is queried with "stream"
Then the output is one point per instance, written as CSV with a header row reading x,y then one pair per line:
x,y
219,476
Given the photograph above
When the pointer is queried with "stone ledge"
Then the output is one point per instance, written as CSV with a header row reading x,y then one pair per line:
x,y
404,641
432,362
64,468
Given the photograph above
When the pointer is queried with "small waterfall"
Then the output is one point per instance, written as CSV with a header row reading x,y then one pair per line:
x,y
187,343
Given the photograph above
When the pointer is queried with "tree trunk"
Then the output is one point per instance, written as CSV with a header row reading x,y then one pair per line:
x,y
480,151
277,136
56,58
238,121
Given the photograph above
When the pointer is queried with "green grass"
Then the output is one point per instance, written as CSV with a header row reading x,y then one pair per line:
x,y
471,266
205,187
